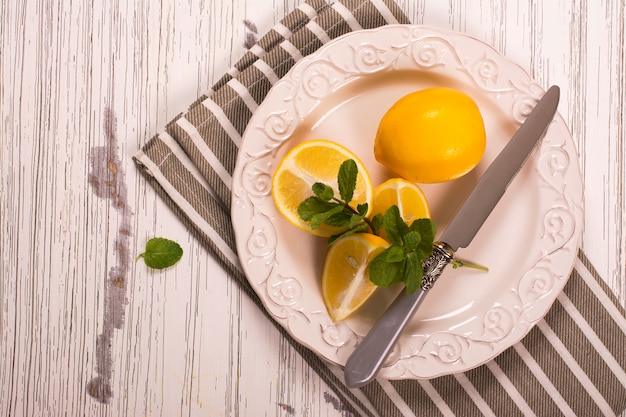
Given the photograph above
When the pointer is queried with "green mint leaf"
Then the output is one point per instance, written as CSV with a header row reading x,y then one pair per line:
x,y
340,219
323,191
383,273
161,253
411,240
362,209
359,228
395,254
312,206
413,272
347,179
422,252
426,229
320,218
394,226
355,219
377,223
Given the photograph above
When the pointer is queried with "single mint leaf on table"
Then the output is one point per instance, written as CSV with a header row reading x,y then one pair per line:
x,y
161,253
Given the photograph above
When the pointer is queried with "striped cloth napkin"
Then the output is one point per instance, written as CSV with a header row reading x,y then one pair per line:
x,y
572,363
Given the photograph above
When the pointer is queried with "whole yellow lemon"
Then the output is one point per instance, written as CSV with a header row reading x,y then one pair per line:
x,y
431,135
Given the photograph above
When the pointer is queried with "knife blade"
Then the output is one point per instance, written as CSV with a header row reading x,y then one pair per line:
x,y
368,357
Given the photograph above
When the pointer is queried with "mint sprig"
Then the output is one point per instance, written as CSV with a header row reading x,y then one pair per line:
x,y
410,244
325,208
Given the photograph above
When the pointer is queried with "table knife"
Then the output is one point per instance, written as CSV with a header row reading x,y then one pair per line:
x,y
364,363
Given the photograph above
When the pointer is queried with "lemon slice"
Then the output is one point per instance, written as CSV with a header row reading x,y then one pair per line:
x,y
310,162
345,278
407,195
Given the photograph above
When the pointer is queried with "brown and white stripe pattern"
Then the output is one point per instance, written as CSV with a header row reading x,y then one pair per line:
x,y
572,363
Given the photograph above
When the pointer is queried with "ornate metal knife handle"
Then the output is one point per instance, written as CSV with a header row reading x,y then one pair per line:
x,y
368,357
434,265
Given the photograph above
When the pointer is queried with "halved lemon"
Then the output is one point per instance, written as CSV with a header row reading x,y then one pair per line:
x,y
345,278
405,194
314,161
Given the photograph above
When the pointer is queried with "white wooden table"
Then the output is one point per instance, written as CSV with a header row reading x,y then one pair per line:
x,y
79,76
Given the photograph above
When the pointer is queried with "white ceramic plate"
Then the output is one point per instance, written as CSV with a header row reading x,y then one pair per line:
x,y
529,242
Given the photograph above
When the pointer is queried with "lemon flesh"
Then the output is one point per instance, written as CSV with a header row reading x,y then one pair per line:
x,y
345,278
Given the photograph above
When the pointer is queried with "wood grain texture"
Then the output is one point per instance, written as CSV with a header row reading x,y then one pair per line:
x,y
191,343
